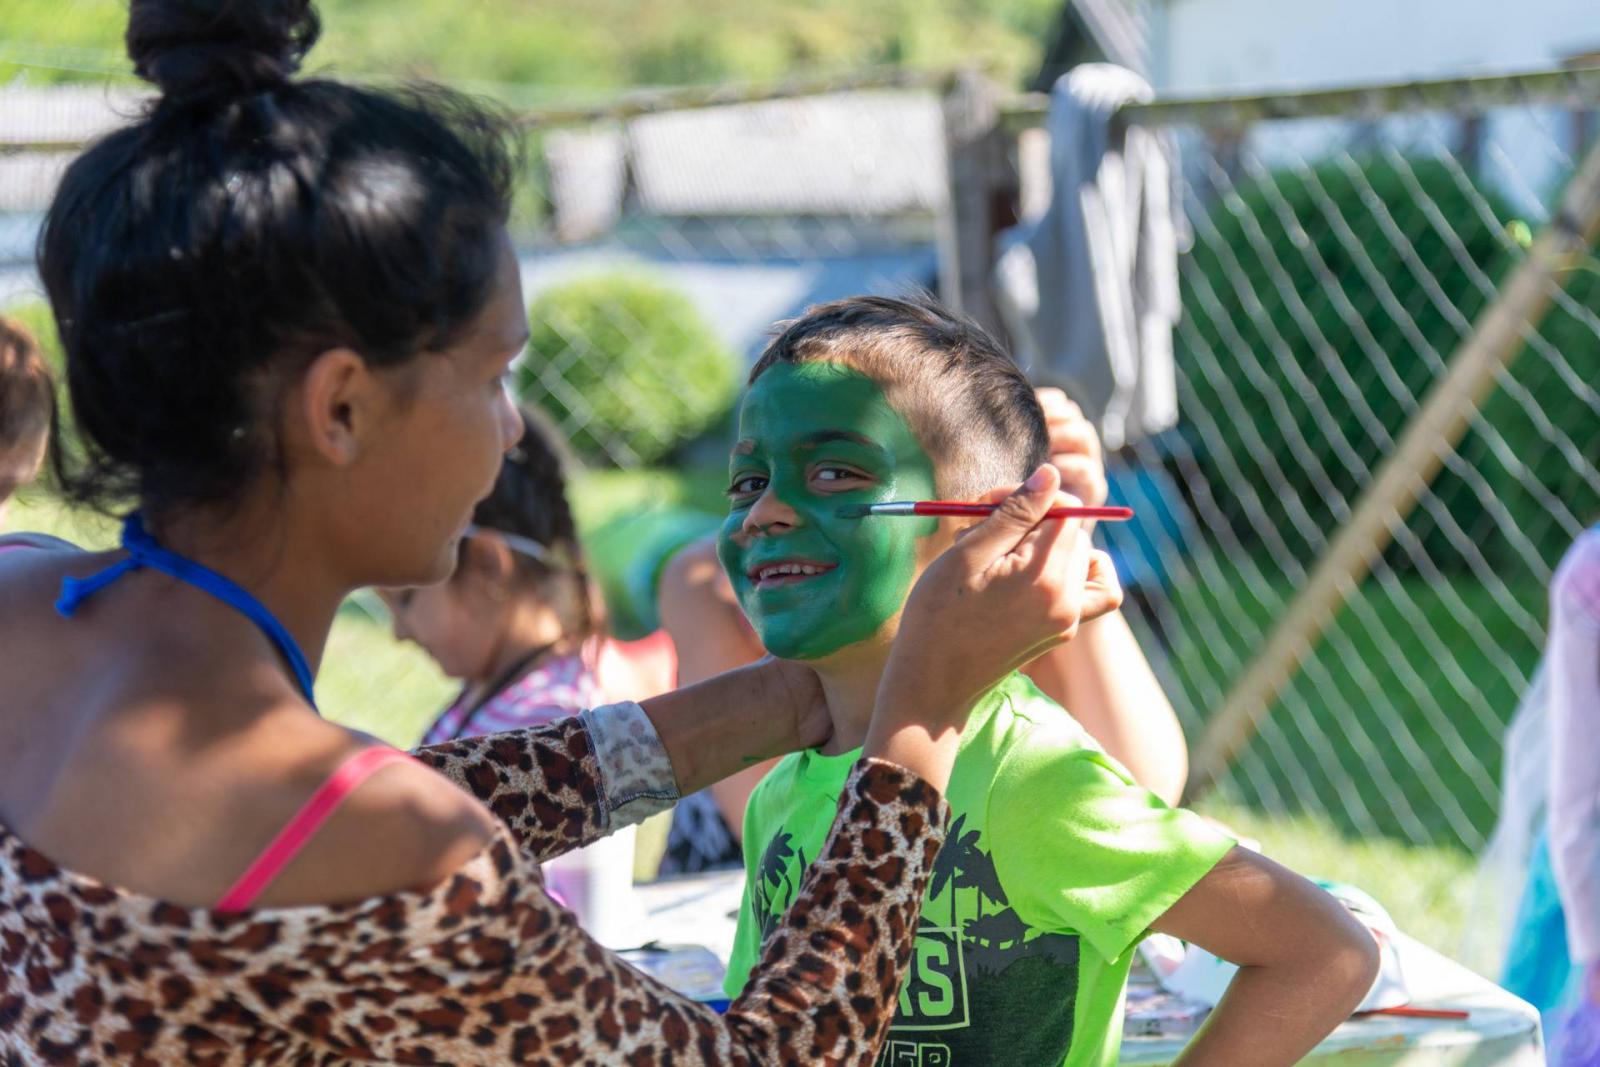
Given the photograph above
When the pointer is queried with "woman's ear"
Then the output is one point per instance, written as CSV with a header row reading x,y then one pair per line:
x,y
337,405
487,562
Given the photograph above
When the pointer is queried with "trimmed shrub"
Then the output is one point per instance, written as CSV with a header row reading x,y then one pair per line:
x,y
627,367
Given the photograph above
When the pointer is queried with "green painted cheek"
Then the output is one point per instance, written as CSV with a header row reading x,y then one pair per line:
x,y
876,557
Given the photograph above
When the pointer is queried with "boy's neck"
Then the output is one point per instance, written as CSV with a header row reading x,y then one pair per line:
x,y
850,684
852,691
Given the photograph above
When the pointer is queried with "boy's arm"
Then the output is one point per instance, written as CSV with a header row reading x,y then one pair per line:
x,y
1102,677
1304,962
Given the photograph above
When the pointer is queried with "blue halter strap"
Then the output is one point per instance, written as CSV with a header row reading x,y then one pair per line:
x,y
144,552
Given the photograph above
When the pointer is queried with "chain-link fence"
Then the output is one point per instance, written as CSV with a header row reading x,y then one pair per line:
x,y
1342,637
664,244
1346,633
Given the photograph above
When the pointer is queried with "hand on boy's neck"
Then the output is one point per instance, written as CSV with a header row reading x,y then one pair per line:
x,y
850,679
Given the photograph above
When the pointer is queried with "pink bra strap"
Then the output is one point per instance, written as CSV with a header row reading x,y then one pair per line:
x,y
306,822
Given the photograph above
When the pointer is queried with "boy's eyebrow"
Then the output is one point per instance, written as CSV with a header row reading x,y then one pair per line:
x,y
822,437
744,448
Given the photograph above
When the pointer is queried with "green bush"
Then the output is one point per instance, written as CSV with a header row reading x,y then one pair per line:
x,y
627,367
1299,375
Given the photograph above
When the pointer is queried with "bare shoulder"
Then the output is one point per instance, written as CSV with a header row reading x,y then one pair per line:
x,y
404,828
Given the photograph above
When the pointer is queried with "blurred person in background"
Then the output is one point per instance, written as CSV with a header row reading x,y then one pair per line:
x,y
27,409
523,626
519,621
1553,960
1103,678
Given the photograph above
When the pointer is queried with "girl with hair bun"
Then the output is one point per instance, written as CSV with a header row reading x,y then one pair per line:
x,y
287,307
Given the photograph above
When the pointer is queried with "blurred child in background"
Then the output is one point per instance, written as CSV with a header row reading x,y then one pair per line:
x,y
523,626
520,622
27,409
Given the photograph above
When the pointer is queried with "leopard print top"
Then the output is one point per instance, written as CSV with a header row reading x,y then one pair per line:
x,y
482,969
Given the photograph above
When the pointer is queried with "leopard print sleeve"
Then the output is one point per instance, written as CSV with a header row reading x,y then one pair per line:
x,y
490,970
561,786
482,968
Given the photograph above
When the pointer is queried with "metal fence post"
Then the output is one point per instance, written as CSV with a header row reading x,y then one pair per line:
x,y
981,197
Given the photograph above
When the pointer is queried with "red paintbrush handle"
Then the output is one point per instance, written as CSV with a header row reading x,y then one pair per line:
x,y
1408,1012
954,507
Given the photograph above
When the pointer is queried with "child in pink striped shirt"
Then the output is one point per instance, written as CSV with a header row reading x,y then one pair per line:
x,y
520,622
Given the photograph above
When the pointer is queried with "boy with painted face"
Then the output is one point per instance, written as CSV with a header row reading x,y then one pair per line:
x,y
1057,864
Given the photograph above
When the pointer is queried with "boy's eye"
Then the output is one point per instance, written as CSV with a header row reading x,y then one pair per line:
x,y
747,485
836,477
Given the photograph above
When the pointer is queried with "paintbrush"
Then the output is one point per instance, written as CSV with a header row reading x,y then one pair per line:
x,y
955,507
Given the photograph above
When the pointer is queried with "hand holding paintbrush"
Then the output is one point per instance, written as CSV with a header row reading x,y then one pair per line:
x,y
956,507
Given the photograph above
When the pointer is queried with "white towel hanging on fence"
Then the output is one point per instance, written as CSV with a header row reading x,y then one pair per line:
x,y
1089,291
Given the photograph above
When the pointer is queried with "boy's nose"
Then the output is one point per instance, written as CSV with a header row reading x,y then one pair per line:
x,y
769,513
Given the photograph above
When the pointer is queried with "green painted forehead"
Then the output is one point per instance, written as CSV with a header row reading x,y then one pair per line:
x,y
800,405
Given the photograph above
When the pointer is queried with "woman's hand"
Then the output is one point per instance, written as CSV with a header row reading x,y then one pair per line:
x,y
1012,587
795,695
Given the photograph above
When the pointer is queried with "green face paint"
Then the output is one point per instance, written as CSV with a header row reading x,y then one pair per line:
x,y
815,437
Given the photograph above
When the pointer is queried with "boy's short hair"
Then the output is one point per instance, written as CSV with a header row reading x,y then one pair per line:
x,y
27,399
969,405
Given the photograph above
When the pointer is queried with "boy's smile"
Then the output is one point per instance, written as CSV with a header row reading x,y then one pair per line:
x,y
815,437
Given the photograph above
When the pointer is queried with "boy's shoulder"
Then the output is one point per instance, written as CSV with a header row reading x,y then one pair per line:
x,y
1019,742
1017,715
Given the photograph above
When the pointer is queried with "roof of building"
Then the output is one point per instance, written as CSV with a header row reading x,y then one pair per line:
x,y
872,153
860,154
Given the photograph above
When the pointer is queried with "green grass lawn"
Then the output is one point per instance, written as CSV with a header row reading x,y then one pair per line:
x,y
1290,793
1394,726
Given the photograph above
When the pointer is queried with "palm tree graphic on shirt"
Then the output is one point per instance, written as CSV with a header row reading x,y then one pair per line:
x,y
773,875
993,936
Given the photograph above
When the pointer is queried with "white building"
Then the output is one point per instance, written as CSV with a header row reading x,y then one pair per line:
x,y
1221,46
1230,47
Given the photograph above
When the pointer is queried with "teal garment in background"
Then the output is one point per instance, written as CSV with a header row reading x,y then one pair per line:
x,y
627,556
1538,967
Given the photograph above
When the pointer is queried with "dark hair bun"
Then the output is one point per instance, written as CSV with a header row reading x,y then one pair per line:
x,y
225,47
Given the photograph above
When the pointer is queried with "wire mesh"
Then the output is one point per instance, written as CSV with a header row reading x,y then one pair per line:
x,y
658,245
1338,264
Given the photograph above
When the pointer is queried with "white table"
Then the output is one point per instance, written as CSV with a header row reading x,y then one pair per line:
x,y
1500,1029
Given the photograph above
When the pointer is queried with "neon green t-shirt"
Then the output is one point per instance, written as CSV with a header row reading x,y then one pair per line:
x,y
1055,866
